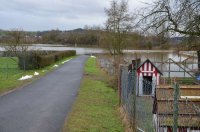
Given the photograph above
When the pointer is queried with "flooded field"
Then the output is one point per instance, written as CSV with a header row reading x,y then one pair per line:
x,y
50,47
180,64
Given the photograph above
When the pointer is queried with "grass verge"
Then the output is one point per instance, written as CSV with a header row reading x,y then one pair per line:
x,y
95,109
10,73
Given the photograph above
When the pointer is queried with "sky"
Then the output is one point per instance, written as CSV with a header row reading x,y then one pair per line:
x,y
40,15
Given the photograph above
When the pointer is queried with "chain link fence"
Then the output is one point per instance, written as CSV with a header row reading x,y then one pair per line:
x,y
138,109
168,108
9,68
127,80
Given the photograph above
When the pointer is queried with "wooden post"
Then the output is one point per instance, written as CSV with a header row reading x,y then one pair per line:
x,y
175,107
169,69
198,56
119,84
134,99
193,61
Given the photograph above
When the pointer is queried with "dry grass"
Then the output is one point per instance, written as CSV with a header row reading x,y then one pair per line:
x,y
125,121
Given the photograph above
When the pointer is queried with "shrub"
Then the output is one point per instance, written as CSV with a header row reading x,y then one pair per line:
x,y
45,60
39,59
27,60
62,54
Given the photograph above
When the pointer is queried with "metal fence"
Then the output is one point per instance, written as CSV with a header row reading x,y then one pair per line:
x,y
163,111
128,80
175,112
138,109
9,68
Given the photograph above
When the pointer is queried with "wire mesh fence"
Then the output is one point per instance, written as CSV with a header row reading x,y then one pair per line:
x,y
138,109
9,67
168,108
177,108
128,91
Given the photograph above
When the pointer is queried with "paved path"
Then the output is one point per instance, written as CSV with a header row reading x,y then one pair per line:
x,y
43,105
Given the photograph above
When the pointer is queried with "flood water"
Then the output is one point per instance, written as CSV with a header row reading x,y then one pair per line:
x,y
158,57
50,47
182,64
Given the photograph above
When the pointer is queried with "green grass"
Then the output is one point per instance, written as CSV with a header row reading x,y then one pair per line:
x,y
90,67
10,73
95,109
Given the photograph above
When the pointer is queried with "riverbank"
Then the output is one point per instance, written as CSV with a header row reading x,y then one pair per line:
x,y
95,108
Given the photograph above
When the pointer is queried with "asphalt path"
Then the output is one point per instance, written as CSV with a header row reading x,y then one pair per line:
x,y
43,105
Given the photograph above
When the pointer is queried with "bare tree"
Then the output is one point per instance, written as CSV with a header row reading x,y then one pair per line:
x,y
16,45
118,24
177,16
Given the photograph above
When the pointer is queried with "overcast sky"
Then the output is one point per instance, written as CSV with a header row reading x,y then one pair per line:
x,y
39,15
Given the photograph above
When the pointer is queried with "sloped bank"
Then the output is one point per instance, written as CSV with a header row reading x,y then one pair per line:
x,y
95,108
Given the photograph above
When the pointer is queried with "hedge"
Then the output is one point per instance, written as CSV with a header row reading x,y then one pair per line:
x,y
36,60
27,61
45,60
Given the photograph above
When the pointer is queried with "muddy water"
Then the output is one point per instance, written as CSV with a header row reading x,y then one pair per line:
x,y
161,60
181,62
48,47
156,56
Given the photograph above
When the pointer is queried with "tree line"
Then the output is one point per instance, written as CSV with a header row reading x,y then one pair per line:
x,y
153,26
97,37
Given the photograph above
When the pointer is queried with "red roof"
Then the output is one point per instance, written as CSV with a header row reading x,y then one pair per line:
x,y
148,66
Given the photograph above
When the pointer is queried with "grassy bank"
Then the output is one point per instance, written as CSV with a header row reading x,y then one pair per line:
x,y
10,73
95,108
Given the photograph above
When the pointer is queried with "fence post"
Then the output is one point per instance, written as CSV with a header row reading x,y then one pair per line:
x,y
119,84
6,70
133,74
198,56
175,107
24,61
169,68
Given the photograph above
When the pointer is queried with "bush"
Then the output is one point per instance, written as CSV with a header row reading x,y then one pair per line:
x,y
45,60
36,60
27,60
62,54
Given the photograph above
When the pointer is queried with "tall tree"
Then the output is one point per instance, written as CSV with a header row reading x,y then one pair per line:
x,y
118,24
177,16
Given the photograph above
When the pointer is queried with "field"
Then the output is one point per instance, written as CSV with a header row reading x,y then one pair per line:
x,y
96,106
10,73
